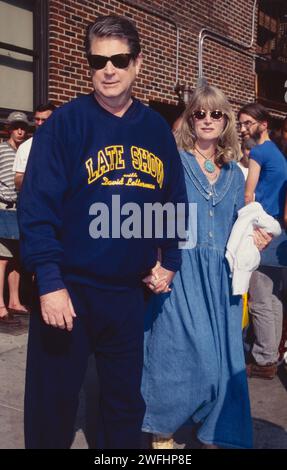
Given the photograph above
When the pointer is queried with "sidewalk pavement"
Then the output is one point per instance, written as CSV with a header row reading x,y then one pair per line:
x,y
268,400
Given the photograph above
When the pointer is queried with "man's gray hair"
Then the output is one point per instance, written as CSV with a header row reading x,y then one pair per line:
x,y
113,26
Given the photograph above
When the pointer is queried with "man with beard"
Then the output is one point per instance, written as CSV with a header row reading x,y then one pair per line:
x,y
267,179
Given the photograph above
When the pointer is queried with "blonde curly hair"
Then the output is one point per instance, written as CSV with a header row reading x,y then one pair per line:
x,y
211,98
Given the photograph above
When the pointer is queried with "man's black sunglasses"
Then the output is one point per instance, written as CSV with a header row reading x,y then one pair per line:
x,y
120,61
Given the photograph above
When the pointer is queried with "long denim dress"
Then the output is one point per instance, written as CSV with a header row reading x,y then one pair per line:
x,y
194,363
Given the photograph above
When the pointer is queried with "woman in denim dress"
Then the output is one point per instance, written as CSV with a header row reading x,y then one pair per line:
x,y
194,363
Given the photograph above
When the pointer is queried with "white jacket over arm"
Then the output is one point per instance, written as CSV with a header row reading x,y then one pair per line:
x,y
241,252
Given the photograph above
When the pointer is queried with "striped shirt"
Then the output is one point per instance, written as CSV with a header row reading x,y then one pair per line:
x,y
7,185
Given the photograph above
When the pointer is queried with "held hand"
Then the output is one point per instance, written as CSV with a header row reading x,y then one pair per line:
x,y
57,309
261,238
159,279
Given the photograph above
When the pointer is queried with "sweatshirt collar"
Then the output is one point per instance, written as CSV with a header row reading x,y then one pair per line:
x,y
129,114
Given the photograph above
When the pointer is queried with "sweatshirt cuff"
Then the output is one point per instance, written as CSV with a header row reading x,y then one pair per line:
x,y
49,278
171,259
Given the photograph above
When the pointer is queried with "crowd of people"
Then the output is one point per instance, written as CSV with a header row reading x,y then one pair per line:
x,y
14,154
159,312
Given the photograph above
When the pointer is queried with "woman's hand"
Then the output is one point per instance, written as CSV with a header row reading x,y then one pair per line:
x,y
159,279
261,238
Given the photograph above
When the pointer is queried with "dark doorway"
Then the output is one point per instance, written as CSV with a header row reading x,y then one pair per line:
x,y
169,111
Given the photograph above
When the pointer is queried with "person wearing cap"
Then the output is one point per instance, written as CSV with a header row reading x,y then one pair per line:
x,y
42,113
17,126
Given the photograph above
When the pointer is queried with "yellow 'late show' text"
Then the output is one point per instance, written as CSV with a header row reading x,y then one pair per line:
x,y
111,158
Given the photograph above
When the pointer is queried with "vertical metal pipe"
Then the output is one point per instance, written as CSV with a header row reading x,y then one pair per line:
x,y
164,17
232,43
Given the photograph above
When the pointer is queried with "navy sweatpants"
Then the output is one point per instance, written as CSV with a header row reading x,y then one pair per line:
x,y
110,324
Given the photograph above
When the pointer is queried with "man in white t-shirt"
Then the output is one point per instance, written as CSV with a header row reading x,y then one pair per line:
x,y
243,163
42,113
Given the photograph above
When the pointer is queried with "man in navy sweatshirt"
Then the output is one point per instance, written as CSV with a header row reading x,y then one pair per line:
x,y
98,158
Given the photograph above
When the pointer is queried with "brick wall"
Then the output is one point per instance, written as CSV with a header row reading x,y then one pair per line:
x,y
229,69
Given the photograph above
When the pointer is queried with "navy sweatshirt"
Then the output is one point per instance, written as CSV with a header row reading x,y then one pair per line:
x,y
83,162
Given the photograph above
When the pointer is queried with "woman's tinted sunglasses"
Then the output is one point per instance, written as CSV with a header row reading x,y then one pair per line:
x,y
201,114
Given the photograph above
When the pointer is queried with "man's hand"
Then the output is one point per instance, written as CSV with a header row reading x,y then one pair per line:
x,y
159,279
57,309
261,238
